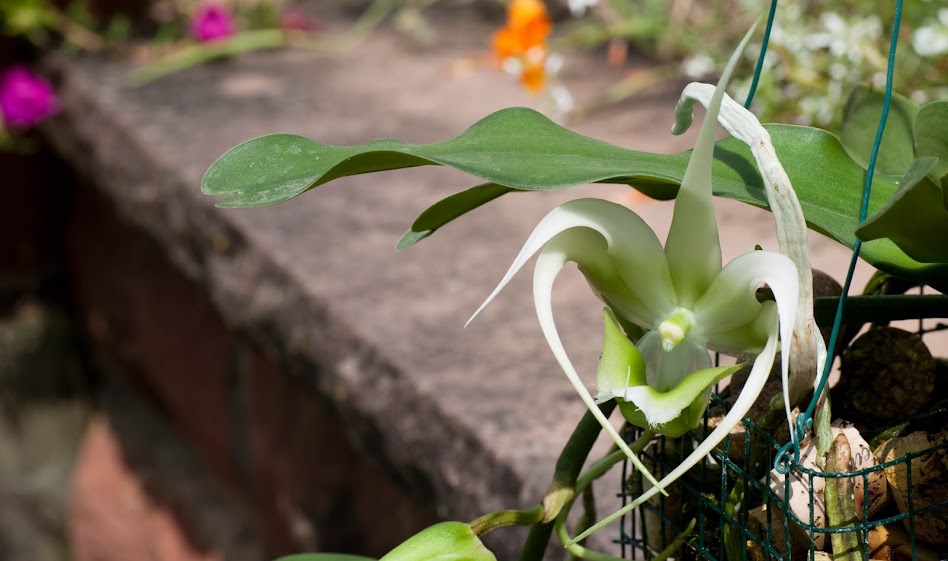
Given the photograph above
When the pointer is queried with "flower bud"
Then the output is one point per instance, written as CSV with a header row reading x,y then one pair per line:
x,y
445,541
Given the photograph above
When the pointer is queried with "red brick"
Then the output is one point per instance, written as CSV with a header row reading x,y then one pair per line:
x,y
159,327
313,491
113,517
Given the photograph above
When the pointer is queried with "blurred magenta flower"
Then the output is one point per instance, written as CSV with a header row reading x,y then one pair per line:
x,y
25,98
211,22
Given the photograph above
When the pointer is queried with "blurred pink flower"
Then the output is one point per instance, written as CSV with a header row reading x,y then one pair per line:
x,y
212,22
25,98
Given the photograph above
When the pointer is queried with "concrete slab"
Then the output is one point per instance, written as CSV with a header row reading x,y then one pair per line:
x,y
471,419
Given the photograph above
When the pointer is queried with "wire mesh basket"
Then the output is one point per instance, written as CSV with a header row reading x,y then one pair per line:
x,y
737,506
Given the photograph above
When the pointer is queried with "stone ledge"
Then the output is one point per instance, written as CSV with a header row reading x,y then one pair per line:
x,y
468,420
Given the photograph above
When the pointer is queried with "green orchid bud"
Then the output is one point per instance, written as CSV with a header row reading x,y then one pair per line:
x,y
445,541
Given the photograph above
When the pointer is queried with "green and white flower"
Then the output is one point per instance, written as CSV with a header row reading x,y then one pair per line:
x,y
678,302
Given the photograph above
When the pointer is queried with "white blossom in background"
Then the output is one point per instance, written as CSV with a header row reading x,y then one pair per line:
x,y
579,7
698,66
931,40
816,58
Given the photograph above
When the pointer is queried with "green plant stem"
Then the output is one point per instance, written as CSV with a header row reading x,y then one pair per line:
x,y
568,466
505,519
875,309
370,19
823,430
840,502
676,544
595,471
196,55
535,545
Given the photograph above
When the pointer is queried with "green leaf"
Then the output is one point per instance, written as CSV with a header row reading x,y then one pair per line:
x,y
915,218
515,147
931,136
860,121
448,209
323,557
520,149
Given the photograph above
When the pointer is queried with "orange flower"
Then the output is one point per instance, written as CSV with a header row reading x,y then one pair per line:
x,y
533,77
524,39
521,13
528,25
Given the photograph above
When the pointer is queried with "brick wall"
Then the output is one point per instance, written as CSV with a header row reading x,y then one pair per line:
x,y
200,446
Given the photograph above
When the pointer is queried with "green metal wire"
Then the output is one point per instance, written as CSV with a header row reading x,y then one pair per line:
x,y
763,53
805,419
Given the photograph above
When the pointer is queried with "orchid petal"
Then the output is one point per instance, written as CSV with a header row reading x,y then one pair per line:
x,y
632,245
666,369
549,264
693,247
807,347
621,364
732,295
731,300
752,388
749,338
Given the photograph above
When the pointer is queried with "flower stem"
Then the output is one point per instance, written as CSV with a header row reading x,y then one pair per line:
x,y
506,518
565,475
875,309
596,471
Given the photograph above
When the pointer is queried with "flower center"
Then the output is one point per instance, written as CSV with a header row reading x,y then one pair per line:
x,y
675,328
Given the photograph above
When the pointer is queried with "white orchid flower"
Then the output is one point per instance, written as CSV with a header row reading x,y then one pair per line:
x,y
680,296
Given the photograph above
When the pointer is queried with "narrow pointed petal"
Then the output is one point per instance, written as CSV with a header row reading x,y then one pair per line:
x,y
693,247
807,346
549,264
631,245
752,388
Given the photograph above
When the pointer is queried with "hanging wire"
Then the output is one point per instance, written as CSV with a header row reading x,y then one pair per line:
x,y
805,419
762,55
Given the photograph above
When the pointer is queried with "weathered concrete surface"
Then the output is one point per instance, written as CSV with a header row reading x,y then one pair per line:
x,y
469,419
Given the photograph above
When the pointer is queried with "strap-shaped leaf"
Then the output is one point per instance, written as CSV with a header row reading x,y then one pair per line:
x,y
516,147
520,149
915,218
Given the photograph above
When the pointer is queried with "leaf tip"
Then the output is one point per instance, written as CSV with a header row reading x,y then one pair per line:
x,y
411,237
